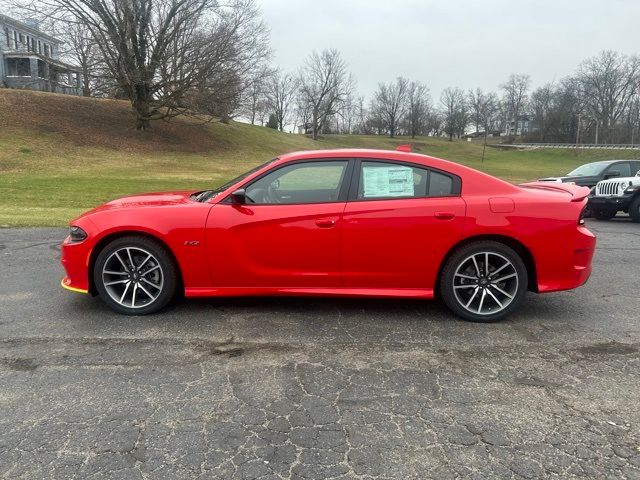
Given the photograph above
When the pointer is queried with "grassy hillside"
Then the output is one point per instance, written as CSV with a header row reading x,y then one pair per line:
x,y
61,155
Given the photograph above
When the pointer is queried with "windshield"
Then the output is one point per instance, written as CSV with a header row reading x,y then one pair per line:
x,y
242,177
208,194
588,170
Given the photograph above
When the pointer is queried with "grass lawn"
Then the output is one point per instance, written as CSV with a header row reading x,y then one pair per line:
x,y
80,152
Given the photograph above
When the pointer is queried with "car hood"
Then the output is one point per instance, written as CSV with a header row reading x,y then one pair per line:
x,y
630,180
146,200
564,179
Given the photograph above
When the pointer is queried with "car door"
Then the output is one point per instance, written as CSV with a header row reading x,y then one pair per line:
x,y
400,221
287,234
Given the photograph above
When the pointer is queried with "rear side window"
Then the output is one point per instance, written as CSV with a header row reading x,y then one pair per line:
x,y
440,185
382,180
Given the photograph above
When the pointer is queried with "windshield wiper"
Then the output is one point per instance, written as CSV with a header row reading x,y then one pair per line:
x,y
203,196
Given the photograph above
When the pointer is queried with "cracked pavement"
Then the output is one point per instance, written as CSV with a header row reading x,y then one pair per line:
x,y
318,388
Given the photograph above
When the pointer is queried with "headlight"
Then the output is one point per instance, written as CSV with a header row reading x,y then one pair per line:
x,y
77,234
631,188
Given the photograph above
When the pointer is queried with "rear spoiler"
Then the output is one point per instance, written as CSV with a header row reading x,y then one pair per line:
x,y
577,193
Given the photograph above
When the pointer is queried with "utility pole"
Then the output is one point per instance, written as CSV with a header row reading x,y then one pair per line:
x,y
578,132
597,126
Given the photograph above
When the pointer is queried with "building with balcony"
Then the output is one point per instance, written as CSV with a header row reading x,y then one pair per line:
x,y
30,59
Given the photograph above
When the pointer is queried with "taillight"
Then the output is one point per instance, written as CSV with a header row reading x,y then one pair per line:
x,y
582,216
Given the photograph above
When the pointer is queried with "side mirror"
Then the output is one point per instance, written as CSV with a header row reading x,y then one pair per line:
x,y
611,174
239,196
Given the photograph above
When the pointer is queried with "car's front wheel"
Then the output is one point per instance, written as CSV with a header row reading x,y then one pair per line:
x,y
483,281
135,275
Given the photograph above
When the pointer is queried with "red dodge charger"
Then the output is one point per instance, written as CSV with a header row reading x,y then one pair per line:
x,y
338,222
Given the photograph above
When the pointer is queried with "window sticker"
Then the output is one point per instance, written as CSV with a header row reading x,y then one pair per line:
x,y
388,181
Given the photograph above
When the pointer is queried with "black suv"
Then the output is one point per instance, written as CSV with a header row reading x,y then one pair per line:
x,y
591,173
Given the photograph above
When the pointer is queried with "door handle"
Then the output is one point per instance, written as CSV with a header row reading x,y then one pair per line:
x,y
444,215
325,223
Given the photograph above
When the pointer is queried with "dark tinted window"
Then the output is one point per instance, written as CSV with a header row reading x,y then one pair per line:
x,y
623,168
440,185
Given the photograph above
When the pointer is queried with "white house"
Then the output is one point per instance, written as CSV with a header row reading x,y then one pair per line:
x,y
30,59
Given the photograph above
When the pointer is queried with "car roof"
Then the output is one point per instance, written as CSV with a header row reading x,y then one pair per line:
x,y
477,181
607,162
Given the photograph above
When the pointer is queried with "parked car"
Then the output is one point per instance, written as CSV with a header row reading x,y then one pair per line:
x,y
616,195
591,173
338,222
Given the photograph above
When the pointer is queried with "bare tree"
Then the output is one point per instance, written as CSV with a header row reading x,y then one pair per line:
x,y
348,114
254,100
418,108
390,103
81,49
633,119
608,83
280,93
541,105
515,98
324,85
434,123
454,111
167,54
361,115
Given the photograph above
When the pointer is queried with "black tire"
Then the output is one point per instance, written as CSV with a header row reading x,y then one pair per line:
x,y
603,213
497,251
634,209
161,268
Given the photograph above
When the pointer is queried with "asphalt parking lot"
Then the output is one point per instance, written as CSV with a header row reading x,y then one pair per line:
x,y
318,388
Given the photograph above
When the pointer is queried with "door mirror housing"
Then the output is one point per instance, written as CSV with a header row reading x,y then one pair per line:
x,y
611,174
239,197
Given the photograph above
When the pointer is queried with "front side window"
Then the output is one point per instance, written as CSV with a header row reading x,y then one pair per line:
x,y
624,169
308,182
380,180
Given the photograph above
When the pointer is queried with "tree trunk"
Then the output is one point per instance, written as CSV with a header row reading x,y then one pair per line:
x,y
141,108
85,83
314,125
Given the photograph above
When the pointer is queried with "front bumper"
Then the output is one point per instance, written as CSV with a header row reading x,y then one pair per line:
x,y
611,202
74,257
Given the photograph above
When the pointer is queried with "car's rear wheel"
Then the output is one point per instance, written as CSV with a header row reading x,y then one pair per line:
x,y
634,209
603,213
484,281
135,275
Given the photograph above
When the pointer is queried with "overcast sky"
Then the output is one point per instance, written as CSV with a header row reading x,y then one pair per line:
x,y
464,43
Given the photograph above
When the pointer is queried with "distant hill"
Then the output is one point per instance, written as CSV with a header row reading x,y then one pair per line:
x,y
96,122
60,155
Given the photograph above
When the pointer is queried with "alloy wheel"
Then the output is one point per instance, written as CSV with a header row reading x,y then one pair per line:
x,y
133,277
485,283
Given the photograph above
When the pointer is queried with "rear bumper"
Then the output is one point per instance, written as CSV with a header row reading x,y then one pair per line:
x,y
575,270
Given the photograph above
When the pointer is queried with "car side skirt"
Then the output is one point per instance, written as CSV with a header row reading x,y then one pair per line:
x,y
425,293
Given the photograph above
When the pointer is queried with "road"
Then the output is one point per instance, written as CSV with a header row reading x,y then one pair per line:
x,y
318,388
